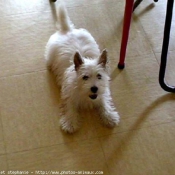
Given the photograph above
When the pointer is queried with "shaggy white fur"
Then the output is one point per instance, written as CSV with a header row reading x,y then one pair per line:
x,y
81,72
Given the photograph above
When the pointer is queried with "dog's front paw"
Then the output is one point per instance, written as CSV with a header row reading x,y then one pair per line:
x,y
68,125
111,119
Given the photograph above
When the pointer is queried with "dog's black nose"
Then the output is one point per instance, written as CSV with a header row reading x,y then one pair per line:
x,y
94,89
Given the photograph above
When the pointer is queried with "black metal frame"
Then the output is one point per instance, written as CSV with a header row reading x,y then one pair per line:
x,y
167,29
137,2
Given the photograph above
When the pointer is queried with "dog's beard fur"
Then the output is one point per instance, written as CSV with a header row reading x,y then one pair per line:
x,y
82,72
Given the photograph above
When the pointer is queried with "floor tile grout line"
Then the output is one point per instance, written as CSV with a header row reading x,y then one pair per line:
x,y
45,69
50,10
129,130
25,13
53,145
81,140
154,52
104,155
25,73
148,40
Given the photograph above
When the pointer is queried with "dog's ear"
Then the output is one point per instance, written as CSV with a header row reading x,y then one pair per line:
x,y
77,60
103,58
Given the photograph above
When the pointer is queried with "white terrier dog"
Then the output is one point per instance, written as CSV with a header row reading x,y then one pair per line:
x,y
82,72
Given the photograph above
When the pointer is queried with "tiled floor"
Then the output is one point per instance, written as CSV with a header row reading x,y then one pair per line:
x,y
30,136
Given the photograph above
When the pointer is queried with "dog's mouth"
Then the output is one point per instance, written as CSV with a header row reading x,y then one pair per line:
x,y
93,96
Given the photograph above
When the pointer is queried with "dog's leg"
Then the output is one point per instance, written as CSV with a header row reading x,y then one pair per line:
x,y
108,114
70,121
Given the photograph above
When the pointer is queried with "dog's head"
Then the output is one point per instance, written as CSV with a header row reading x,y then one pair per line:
x,y
92,75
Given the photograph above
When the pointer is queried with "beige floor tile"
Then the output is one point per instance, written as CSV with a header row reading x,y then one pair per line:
x,y
152,18
163,137
30,113
143,151
3,163
139,71
23,42
27,120
75,156
16,7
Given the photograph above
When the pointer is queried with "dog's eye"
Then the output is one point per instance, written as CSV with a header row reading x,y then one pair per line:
x,y
85,77
99,76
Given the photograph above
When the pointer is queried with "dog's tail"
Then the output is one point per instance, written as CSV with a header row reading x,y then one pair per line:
x,y
64,23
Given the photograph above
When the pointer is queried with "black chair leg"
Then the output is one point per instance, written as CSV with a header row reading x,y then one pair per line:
x,y
136,4
167,28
